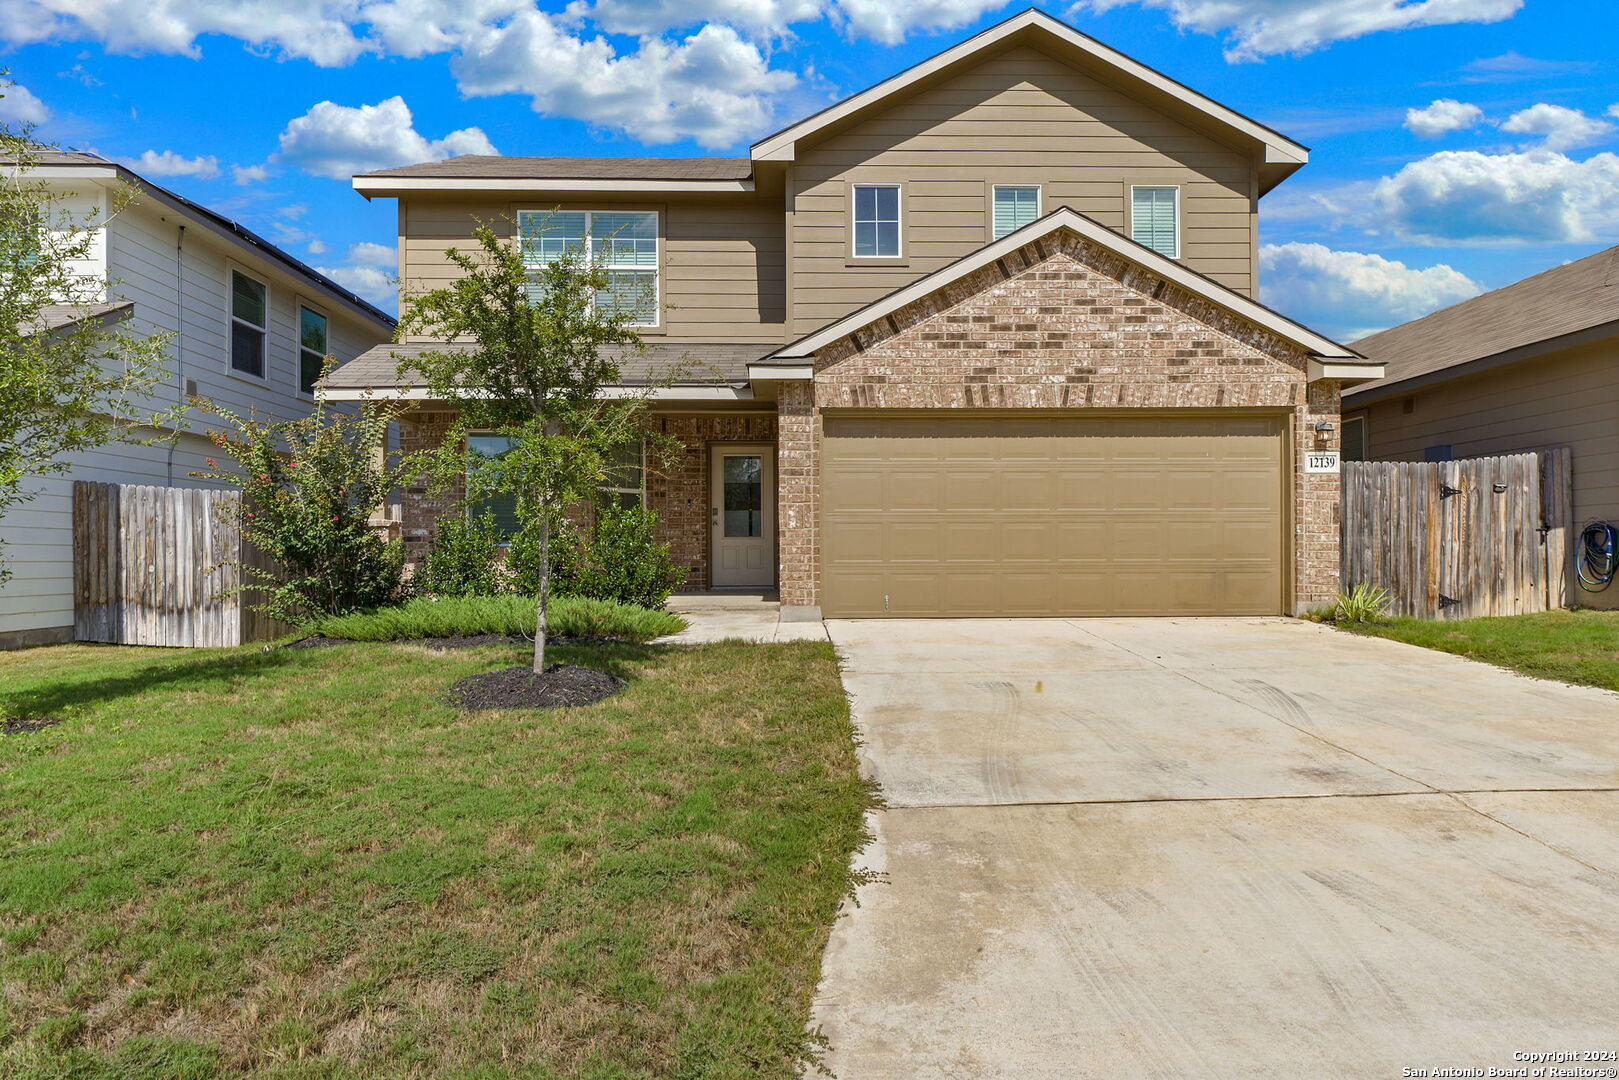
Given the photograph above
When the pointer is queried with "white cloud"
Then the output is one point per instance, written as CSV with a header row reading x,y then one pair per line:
x,y
317,30
1259,28
1467,197
318,247
375,285
714,87
1613,111
249,174
644,17
339,140
1563,128
168,163
1446,114
18,105
365,253
1513,66
889,21
367,269
1350,294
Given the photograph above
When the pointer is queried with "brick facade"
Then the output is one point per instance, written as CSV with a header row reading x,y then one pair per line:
x,y
678,492
1061,324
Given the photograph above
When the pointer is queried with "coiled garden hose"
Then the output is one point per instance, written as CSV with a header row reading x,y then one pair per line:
x,y
1597,557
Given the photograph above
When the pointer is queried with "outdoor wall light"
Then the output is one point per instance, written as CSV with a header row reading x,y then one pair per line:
x,y
1323,431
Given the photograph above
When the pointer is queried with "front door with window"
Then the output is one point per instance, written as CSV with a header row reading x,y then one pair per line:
x,y
742,517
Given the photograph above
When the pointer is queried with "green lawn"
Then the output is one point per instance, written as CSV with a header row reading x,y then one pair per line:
x,y
303,863
1573,646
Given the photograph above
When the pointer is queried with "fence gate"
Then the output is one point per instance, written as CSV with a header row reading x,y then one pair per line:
x,y
149,568
1456,539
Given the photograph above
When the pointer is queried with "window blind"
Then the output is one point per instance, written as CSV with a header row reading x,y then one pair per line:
x,y
1152,219
1014,208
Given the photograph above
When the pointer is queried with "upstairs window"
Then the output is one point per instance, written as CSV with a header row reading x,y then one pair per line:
x,y
1015,206
20,237
312,348
622,243
249,319
876,221
1155,219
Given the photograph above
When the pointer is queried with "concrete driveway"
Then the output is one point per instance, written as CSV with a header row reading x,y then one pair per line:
x,y
1220,847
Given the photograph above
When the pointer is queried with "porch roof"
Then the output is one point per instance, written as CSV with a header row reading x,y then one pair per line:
x,y
695,364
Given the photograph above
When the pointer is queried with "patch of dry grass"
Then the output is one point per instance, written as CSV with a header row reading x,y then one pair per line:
x,y
307,864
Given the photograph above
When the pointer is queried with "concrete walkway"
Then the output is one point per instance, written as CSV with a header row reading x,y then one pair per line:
x,y
1219,848
736,616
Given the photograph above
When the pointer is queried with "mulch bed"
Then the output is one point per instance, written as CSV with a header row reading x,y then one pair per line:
x,y
561,685
25,725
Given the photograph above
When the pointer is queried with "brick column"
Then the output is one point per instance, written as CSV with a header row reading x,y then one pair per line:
x,y
420,507
1317,507
798,510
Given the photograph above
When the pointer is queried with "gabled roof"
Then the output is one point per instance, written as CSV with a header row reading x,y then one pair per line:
x,y
1095,232
1555,309
1282,156
74,164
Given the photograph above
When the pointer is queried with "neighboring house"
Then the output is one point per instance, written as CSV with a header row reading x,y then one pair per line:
x,y
979,340
1527,367
252,324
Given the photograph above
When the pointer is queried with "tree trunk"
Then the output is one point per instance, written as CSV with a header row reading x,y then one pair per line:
x,y
544,543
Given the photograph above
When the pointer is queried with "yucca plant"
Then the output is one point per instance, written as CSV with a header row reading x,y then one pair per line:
x,y
1364,602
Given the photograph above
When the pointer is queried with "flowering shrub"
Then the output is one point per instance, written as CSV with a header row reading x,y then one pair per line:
x,y
310,487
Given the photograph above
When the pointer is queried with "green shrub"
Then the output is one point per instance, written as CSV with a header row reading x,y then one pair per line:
x,y
617,558
464,558
310,487
1364,602
568,616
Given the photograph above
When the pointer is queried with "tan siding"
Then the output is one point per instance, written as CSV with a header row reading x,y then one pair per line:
x,y
723,268
1023,117
1568,399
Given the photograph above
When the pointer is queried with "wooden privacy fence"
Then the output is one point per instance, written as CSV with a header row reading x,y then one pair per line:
x,y
1455,539
149,568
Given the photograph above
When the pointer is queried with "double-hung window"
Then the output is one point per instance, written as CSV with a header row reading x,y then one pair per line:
x,y
1015,205
503,506
621,243
312,348
625,479
876,221
21,236
1155,219
249,321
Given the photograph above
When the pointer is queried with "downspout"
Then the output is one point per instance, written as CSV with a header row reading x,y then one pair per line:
x,y
179,339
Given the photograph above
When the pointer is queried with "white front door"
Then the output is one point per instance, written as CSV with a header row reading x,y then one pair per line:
x,y
742,517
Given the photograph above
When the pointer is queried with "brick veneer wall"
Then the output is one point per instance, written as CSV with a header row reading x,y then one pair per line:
x,y
677,492
1060,324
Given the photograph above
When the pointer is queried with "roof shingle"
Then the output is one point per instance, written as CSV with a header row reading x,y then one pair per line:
x,y
1563,300
690,363
484,166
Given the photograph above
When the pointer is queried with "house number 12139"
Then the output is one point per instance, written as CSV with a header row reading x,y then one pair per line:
x,y
1321,461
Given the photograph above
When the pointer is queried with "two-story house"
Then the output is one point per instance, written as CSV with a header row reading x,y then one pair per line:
x,y
979,340
252,326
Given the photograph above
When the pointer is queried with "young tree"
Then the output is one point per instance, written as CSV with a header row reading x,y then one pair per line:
x,y
72,377
539,350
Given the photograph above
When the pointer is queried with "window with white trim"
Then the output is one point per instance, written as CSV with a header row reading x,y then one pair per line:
x,y
623,243
312,347
1155,219
625,479
249,323
1014,206
876,221
503,505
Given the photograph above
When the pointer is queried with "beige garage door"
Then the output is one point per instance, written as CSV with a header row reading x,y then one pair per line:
x,y
974,516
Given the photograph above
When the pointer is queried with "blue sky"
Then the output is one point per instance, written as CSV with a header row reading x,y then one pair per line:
x,y
1458,145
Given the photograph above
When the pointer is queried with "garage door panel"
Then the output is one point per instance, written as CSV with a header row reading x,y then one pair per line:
x,y
1068,515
